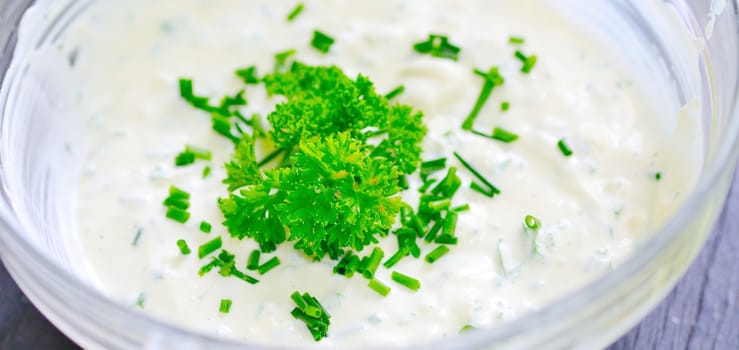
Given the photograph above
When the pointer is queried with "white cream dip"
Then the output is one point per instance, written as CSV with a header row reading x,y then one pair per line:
x,y
595,206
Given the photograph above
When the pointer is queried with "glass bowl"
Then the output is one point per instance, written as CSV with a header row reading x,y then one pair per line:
x,y
33,199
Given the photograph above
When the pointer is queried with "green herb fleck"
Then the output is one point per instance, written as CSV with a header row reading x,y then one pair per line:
x,y
466,328
528,62
531,222
248,75
490,187
516,40
438,46
503,135
269,265
184,249
209,247
206,171
373,262
312,313
321,41
225,306
505,106
491,79
379,287
566,150
205,226
184,158
253,262
295,12
436,254
407,281
658,176
177,214
395,92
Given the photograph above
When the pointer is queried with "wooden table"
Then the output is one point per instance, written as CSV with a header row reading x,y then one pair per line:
x,y
701,313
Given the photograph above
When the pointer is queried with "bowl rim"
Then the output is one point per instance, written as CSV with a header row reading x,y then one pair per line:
x,y
726,156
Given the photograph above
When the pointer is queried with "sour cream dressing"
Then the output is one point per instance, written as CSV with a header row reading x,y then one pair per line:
x,y
594,206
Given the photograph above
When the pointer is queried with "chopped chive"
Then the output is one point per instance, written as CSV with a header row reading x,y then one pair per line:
x,y
438,46
345,266
395,92
253,262
491,79
658,176
432,166
178,203
438,206
209,247
400,254
270,157
408,281
248,75
137,237
474,172
566,150
310,311
483,191
503,135
379,287
528,61
225,306
269,265
295,12
208,267
321,41
446,239
175,192
436,254
205,226
373,262
244,277
466,328
531,222
184,158
426,185
199,153
448,185
516,40
298,299
184,249
450,223
434,231
206,171
178,215
505,106
461,208
141,300
403,182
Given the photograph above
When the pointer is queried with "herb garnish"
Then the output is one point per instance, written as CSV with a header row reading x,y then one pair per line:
x,y
225,306
310,311
491,79
205,227
407,281
379,287
438,46
321,41
528,61
295,12
564,147
209,247
490,191
182,245
395,92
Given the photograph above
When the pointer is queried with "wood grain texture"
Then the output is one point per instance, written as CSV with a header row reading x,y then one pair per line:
x,y
701,313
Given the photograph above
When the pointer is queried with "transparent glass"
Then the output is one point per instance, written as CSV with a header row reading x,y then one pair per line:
x,y
588,318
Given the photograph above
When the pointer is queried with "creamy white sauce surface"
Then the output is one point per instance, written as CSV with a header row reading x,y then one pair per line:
x,y
594,206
